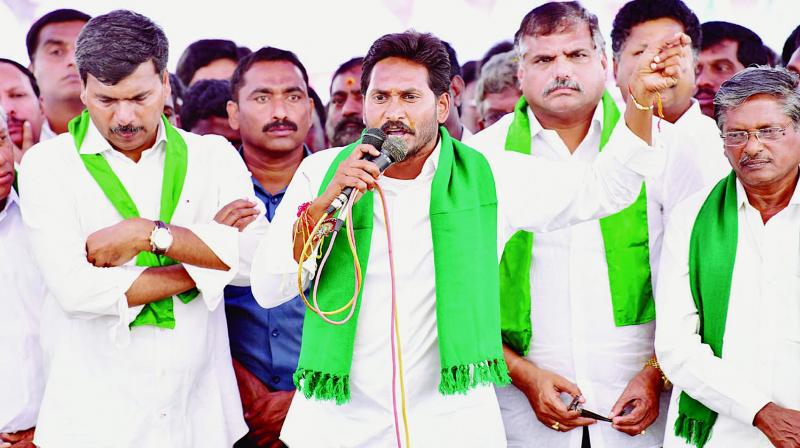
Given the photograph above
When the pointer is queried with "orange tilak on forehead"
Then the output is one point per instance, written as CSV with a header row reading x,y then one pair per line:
x,y
350,81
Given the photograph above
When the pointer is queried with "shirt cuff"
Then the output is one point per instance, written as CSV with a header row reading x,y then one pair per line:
x,y
635,154
120,331
745,410
224,242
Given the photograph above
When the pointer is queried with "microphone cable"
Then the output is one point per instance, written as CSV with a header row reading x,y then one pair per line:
x,y
309,247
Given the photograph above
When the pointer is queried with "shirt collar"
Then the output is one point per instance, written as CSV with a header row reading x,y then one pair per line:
x,y
306,152
95,143
536,127
11,201
692,113
741,195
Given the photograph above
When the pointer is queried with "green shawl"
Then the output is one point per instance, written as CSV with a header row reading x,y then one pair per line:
x,y
463,214
160,313
712,254
625,237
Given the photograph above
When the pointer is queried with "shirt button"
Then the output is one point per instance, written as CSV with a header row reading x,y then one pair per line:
x,y
275,333
274,200
276,379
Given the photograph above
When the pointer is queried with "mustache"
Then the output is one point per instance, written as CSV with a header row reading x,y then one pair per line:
x,y
128,128
746,159
350,120
395,126
705,91
562,83
279,123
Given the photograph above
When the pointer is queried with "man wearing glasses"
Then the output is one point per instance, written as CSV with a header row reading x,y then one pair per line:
x,y
728,330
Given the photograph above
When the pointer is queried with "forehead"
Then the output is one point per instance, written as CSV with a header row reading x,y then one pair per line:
x,y
66,32
347,80
11,77
654,30
273,74
724,50
141,80
757,112
573,37
398,74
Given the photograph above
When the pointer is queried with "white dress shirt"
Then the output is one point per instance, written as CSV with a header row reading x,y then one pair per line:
x,y
21,294
47,132
532,194
701,134
761,347
109,385
574,334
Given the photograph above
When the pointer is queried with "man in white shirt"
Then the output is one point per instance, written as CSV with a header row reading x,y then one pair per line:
x,y
639,24
135,251
444,402
21,295
728,314
577,304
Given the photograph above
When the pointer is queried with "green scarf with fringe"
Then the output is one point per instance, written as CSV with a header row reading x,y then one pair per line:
x,y
712,254
625,237
463,214
160,313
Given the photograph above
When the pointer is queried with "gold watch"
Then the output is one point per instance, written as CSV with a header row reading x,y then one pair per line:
x,y
653,362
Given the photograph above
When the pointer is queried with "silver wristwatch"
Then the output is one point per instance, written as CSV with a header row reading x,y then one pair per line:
x,y
160,239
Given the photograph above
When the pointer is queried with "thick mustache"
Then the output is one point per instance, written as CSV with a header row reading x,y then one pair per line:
x,y
396,125
281,123
562,83
128,128
355,121
705,91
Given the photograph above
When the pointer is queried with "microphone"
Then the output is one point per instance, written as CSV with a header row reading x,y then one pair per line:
x,y
393,150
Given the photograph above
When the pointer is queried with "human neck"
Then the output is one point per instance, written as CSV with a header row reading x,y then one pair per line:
x,y
272,169
674,113
769,201
572,129
60,112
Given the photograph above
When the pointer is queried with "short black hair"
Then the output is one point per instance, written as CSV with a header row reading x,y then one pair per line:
x,y
470,72
57,16
637,12
500,47
112,46
26,72
751,49
203,52
205,99
790,46
455,67
319,108
422,48
265,54
348,65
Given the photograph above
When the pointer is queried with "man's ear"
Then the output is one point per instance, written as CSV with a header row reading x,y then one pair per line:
x,y
233,114
443,107
457,87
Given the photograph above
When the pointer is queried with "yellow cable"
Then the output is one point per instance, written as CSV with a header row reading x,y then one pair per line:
x,y
402,382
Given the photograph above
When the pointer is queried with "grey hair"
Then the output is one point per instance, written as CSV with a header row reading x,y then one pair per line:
x,y
112,46
498,74
557,17
760,80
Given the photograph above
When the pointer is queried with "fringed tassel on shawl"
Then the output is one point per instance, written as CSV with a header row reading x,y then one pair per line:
x,y
693,431
460,379
322,386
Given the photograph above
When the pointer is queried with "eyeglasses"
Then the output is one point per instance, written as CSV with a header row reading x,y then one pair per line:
x,y
734,139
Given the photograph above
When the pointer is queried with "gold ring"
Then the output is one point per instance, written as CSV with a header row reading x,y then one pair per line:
x,y
643,432
556,426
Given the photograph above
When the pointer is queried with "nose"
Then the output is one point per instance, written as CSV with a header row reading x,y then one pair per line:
x,y
278,109
395,110
352,106
753,146
703,80
71,57
125,113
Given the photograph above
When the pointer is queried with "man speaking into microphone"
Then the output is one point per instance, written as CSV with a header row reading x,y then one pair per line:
x,y
450,211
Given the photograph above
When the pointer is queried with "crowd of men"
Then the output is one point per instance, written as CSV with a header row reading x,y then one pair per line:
x,y
564,255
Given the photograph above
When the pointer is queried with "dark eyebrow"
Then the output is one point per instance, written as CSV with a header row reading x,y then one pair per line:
x,y
53,42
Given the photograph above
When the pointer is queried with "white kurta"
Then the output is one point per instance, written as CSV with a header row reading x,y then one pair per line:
x,y
21,295
532,194
574,334
761,347
108,385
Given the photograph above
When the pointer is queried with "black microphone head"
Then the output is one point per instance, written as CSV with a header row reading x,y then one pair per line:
x,y
374,137
395,148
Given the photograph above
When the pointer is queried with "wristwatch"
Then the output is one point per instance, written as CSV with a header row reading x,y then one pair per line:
x,y
160,239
